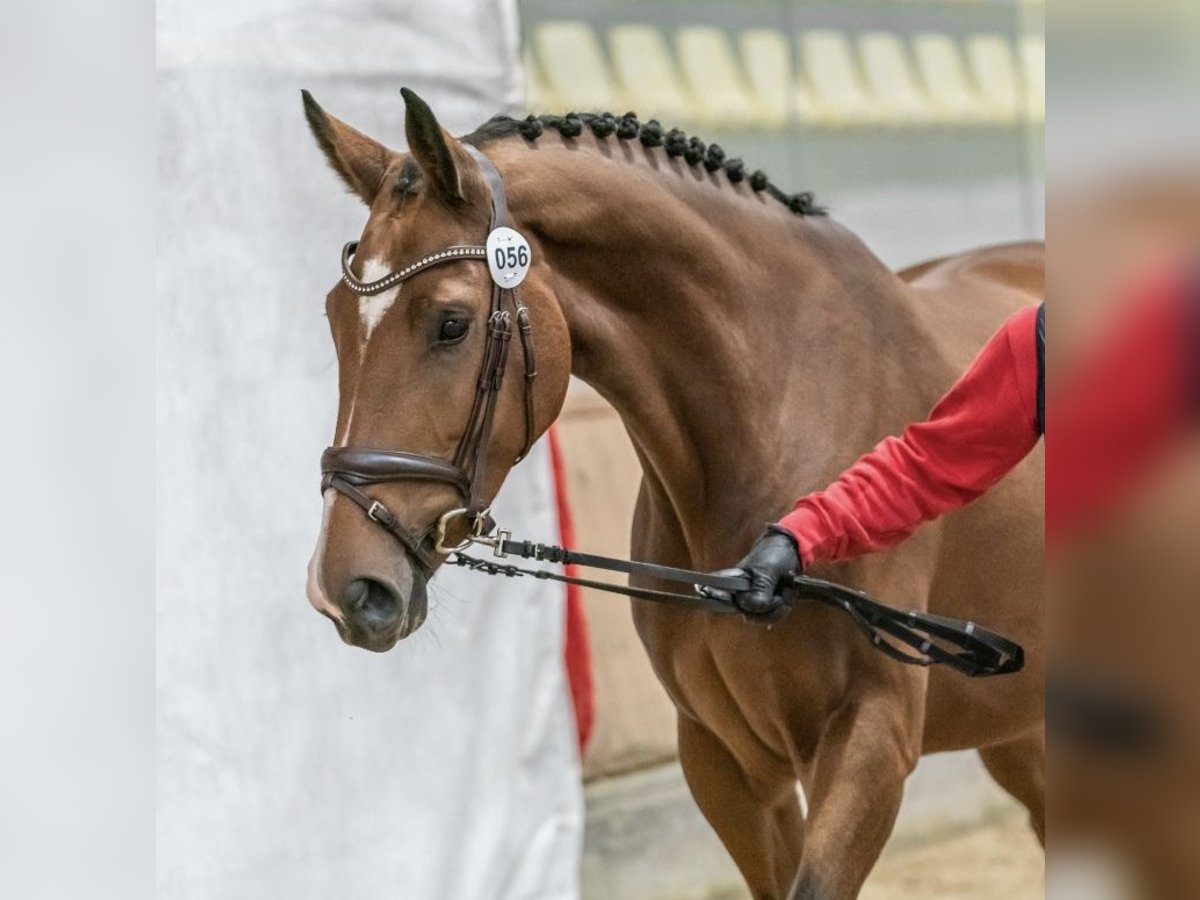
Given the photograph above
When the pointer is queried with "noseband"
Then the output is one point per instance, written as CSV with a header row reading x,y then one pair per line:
x,y
349,470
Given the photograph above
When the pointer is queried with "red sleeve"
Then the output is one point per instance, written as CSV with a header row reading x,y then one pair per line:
x,y
975,434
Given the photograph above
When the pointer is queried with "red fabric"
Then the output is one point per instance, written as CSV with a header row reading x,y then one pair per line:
x,y
577,651
1121,407
976,433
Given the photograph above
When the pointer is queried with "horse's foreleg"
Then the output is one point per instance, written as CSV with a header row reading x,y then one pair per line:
x,y
761,833
1019,766
788,819
857,781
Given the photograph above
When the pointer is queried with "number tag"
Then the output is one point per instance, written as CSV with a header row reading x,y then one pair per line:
x,y
508,256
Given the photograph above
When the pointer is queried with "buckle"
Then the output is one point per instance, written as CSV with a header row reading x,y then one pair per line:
x,y
379,513
497,543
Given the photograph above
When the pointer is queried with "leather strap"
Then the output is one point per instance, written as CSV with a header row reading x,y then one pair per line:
x,y
525,327
495,184
687,601
500,295
962,645
565,555
499,336
384,517
359,466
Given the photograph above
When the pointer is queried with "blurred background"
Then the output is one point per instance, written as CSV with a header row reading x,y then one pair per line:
x,y
289,765
920,122
1123,473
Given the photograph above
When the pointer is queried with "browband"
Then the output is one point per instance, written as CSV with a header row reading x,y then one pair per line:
x,y
394,278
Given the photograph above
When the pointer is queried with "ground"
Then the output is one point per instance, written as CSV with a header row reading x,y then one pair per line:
x,y
957,836
1001,861
998,861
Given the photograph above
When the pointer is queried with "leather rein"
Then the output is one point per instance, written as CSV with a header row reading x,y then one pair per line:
x,y
961,645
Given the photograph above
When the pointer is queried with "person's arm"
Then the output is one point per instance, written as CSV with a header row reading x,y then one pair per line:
x,y
984,426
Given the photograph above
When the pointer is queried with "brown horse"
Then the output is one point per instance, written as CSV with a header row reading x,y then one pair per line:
x,y
752,348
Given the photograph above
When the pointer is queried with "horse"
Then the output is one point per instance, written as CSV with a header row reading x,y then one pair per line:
x,y
753,348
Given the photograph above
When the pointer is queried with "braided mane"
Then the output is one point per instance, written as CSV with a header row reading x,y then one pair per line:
x,y
651,134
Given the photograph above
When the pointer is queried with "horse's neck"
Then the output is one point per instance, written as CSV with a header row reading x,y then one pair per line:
x,y
744,350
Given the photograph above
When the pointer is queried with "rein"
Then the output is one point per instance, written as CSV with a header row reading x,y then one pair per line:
x,y
961,645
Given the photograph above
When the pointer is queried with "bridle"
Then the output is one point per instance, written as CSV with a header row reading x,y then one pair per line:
x,y
963,646
349,470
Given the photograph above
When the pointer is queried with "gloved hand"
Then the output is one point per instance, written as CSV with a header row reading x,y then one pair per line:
x,y
773,557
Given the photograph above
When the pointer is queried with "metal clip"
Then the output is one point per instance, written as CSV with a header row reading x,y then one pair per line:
x,y
481,520
498,543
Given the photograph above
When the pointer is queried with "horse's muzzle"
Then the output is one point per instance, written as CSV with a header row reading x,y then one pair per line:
x,y
375,615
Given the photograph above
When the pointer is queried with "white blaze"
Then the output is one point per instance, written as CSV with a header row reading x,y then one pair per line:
x,y
315,587
371,308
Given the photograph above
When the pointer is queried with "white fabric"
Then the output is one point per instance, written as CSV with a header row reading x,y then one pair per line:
x,y
290,765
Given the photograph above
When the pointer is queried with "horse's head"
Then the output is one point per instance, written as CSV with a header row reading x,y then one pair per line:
x,y
411,354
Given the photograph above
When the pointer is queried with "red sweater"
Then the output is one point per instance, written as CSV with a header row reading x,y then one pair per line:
x,y
976,433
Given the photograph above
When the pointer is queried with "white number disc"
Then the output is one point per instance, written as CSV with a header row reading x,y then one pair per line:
x,y
508,257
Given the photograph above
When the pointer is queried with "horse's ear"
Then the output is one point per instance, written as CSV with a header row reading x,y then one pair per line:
x,y
449,168
360,161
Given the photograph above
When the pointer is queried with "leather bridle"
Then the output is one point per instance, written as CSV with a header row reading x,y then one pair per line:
x,y
349,470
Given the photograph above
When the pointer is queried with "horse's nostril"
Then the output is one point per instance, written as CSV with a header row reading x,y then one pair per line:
x,y
370,604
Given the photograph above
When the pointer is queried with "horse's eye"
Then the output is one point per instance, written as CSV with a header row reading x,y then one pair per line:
x,y
453,330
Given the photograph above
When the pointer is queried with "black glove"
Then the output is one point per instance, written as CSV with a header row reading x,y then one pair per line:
x,y
770,561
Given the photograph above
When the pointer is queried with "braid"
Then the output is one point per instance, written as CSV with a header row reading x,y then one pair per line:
x,y
627,127
570,125
531,128
715,157
675,143
802,203
652,134
603,125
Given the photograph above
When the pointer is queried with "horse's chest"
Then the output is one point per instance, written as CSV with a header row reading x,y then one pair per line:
x,y
731,677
